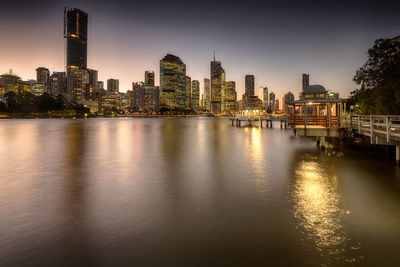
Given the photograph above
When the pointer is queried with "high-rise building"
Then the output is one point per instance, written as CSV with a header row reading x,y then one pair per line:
x,y
217,74
77,82
93,84
287,98
100,85
43,75
58,83
172,82
207,95
272,102
188,86
149,77
112,85
265,97
76,33
145,97
306,81
195,95
230,96
249,85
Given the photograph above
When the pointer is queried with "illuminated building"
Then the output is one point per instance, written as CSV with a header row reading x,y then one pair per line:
x,y
43,75
38,88
100,85
9,82
76,33
287,98
265,97
216,74
306,81
271,103
249,85
111,101
195,95
112,85
145,97
207,95
77,82
172,82
149,77
230,96
58,83
92,88
188,86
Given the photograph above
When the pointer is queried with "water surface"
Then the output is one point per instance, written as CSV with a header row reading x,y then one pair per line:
x,y
190,192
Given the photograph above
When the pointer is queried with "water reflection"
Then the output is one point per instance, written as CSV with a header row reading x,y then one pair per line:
x,y
316,206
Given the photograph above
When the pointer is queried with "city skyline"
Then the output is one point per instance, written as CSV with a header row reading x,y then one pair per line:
x,y
125,53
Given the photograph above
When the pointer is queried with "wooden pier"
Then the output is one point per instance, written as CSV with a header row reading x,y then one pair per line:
x,y
261,120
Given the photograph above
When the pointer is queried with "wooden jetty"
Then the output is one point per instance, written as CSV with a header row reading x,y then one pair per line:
x,y
250,117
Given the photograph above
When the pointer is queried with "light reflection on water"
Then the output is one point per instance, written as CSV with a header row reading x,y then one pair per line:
x,y
317,206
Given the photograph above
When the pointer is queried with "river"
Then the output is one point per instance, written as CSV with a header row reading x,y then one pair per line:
x,y
190,192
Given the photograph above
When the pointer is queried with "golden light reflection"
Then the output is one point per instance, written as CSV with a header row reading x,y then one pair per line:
x,y
317,207
255,157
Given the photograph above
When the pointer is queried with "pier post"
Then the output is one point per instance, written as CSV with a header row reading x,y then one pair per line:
x,y
397,154
322,142
371,129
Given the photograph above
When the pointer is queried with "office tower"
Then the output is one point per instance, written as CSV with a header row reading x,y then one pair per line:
x,y
195,95
287,98
137,96
230,96
265,97
145,97
306,81
188,86
43,75
217,74
249,85
172,82
76,33
58,83
207,94
100,85
149,77
93,85
77,82
112,85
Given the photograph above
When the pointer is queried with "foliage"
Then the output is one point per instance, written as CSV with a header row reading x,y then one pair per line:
x,y
379,80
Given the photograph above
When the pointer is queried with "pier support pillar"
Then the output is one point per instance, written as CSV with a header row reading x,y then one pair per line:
x,y
398,154
322,142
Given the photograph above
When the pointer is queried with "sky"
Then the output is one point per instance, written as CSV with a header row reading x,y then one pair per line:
x,y
276,41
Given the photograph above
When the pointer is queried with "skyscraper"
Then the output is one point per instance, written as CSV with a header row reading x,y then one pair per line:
x,y
149,77
306,80
195,95
217,74
188,85
112,85
265,97
172,82
249,85
230,96
43,75
76,32
93,84
287,98
77,82
207,94
58,83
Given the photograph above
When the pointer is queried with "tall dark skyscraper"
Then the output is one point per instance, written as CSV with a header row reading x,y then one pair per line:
x,y
306,80
76,33
149,77
249,85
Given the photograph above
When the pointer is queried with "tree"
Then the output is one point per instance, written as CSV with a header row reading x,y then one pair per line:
x,y
379,80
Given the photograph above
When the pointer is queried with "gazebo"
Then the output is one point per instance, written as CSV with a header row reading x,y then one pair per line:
x,y
316,113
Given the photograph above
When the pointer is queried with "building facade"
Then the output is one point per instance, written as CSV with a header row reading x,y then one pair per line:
x,y
77,83
172,82
230,96
287,98
217,74
149,77
207,94
195,95
112,85
188,85
249,85
76,33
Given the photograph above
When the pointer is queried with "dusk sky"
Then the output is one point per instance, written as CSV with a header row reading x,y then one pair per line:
x,y
276,41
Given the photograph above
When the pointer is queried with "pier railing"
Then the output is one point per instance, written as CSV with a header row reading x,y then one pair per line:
x,y
324,121
380,128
